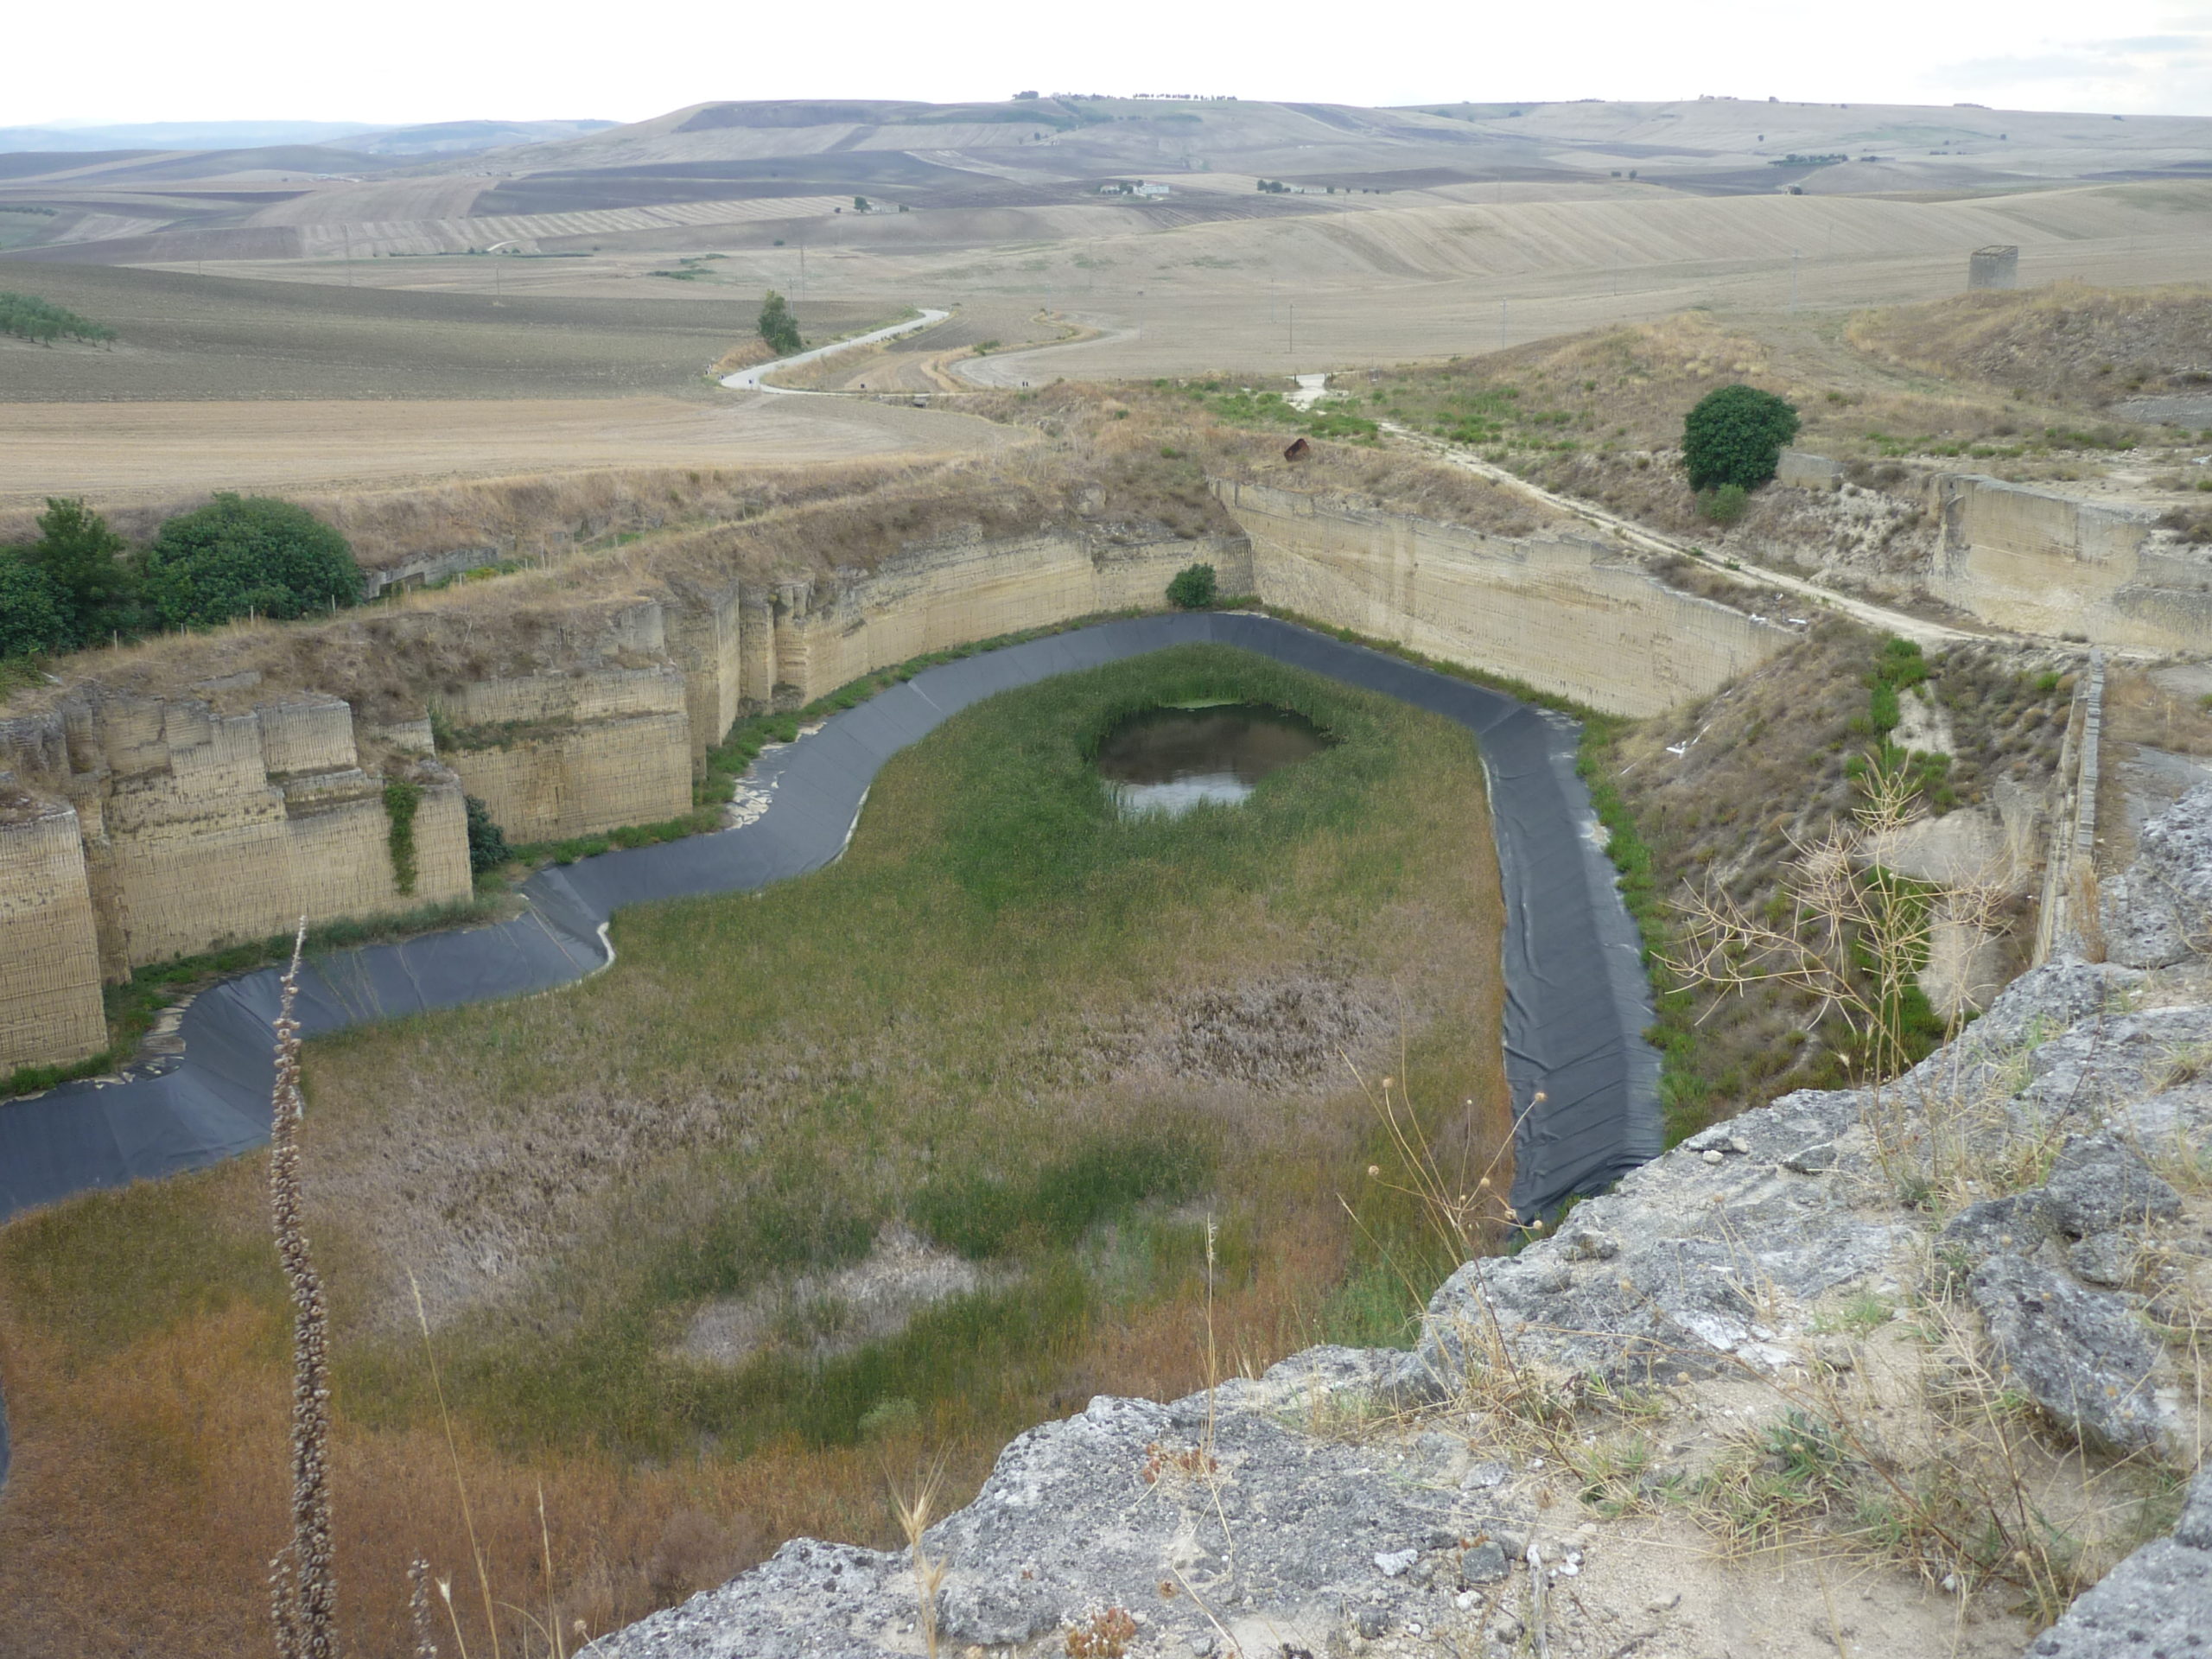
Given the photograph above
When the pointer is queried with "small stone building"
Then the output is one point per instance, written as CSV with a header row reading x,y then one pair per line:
x,y
1994,267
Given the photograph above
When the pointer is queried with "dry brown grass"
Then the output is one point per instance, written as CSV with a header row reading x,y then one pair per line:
x,y
535,515
2137,709
2067,342
159,1467
744,355
1115,438
607,539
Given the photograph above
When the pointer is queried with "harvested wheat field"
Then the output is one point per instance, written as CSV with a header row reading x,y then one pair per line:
x,y
122,453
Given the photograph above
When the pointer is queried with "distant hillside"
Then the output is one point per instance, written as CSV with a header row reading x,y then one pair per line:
x,y
434,138
177,134
454,138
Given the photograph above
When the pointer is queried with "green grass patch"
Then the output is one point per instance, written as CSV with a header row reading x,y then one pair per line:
x,y
927,1035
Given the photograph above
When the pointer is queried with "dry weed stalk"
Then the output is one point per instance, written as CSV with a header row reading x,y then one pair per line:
x,y
1852,933
914,1512
303,1588
1213,1363
418,1609
460,1486
1467,1212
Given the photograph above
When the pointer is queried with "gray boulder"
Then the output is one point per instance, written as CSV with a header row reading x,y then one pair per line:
x,y
2079,1354
2155,1604
1220,1500
2099,1183
2016,1223
2161,910
2106,1259
1676,1268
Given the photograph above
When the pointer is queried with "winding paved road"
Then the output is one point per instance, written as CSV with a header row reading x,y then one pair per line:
x,y
1006,369
750,380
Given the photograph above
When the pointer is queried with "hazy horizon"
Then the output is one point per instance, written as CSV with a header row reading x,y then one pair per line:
x,y
254,61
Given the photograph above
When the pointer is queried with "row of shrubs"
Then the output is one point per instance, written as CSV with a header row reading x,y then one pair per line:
x,y
80,583
28,317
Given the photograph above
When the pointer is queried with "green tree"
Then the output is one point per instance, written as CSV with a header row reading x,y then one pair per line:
x,y
32,618
82,561
28,317
1724,504
241,554
487,843
778,327
1193,589
1736,436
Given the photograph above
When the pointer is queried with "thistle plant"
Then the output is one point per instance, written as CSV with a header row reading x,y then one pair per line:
x,y
303,1589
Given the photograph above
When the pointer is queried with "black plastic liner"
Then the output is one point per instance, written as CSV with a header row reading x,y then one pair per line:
x,y
1576,998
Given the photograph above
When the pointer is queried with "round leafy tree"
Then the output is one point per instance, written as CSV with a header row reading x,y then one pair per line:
x,y
779,327
31,613
241,554
1735,435
1192,588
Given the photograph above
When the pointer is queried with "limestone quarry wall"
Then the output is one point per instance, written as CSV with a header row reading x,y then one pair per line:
x,y
166,827
1563,614
935,597
200,820
50,974
559,755
2034,560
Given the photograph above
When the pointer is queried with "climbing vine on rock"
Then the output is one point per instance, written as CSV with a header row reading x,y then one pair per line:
x,y
400,801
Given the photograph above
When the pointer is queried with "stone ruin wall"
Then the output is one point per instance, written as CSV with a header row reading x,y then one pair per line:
x,y
1563,614
2042,563
196,826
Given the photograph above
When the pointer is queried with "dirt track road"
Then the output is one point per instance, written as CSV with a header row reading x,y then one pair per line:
x,y
1918,629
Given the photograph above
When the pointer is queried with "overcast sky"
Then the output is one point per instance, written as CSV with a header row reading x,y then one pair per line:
x,y
408,61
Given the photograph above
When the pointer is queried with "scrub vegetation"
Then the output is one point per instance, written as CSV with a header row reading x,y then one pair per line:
x,y
1010,1035
1729,787
28,317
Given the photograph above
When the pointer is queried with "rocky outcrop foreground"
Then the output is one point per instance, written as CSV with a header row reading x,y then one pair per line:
x,y
2001,1262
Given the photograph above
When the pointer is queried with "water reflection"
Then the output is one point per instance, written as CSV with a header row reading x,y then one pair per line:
x,y
1168,760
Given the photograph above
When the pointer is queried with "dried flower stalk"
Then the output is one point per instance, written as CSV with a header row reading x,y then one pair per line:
x,y
303,1588
418,1609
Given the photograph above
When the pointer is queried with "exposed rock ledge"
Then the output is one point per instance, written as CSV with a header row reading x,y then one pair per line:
x,y
1355,1501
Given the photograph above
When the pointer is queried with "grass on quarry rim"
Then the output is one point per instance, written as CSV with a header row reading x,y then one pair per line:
x,y
957,998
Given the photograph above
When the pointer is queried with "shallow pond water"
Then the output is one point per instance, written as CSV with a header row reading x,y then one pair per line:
x,y
1168,760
